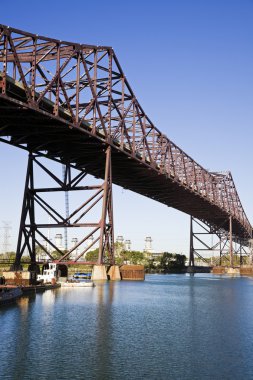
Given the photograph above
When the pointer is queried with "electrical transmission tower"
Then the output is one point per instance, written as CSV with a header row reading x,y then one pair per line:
x,y
6,236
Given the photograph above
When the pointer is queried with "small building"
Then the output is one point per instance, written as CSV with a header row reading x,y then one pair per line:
x,y
75,252
127,245
148,249
58,241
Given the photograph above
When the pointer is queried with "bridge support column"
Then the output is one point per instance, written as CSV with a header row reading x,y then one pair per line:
x,y
241,258
231,242
221,247
36,242
191,255
204,238
99,273
114,273
106,242
26,237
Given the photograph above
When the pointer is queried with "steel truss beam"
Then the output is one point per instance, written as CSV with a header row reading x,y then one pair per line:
x,y
50,87
31,231
205,238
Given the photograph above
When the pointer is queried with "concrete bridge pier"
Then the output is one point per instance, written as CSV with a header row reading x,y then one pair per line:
x,y
99,273
114,273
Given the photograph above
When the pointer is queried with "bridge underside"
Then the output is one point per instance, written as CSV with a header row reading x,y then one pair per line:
x,y
36,131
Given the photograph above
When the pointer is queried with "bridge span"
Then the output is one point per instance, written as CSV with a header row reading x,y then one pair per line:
x,y
72,103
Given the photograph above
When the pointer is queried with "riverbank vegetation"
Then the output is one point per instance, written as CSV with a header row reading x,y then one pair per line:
x,y
166,262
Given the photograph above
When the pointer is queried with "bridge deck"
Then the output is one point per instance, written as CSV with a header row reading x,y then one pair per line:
x,y
36,131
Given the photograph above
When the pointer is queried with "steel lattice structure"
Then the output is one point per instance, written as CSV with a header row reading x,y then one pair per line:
x,y
69,102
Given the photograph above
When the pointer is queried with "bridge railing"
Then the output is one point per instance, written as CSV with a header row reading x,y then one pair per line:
x,y
85,86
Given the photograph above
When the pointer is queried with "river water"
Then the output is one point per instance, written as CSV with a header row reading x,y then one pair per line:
x,y
167,327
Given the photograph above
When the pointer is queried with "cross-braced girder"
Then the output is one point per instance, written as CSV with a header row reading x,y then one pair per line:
x,y
39,215
78,94
212,245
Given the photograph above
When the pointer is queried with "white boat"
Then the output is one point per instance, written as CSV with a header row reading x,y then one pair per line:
x,y
77,284
49,274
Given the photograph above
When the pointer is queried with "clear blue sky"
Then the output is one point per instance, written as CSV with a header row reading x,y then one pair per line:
x,y
190,64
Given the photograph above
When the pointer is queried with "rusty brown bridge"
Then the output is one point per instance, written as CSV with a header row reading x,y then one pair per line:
x,y
72,103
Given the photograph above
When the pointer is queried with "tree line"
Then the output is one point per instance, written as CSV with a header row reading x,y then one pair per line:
x,y
165,263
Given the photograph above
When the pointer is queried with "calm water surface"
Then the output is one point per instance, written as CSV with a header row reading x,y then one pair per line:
x,y
168,327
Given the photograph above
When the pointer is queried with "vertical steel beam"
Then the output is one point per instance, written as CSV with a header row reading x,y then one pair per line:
x,y
191,255
231,242
241,259
220,245
106,223
27,210
32,213
77,87
110,216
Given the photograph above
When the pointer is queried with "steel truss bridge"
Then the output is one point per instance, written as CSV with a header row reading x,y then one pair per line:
x,y
72,103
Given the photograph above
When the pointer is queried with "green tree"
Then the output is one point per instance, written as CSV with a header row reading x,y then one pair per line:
x,y
9,255
118,249
179,261
165,261
150,266
134,257
172,262
56,255
92,255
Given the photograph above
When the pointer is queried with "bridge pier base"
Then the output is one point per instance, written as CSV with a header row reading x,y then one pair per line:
x,y
99,273
191,269
114,273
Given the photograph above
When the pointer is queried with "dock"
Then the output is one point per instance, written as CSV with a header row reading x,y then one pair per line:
x,y
32,288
